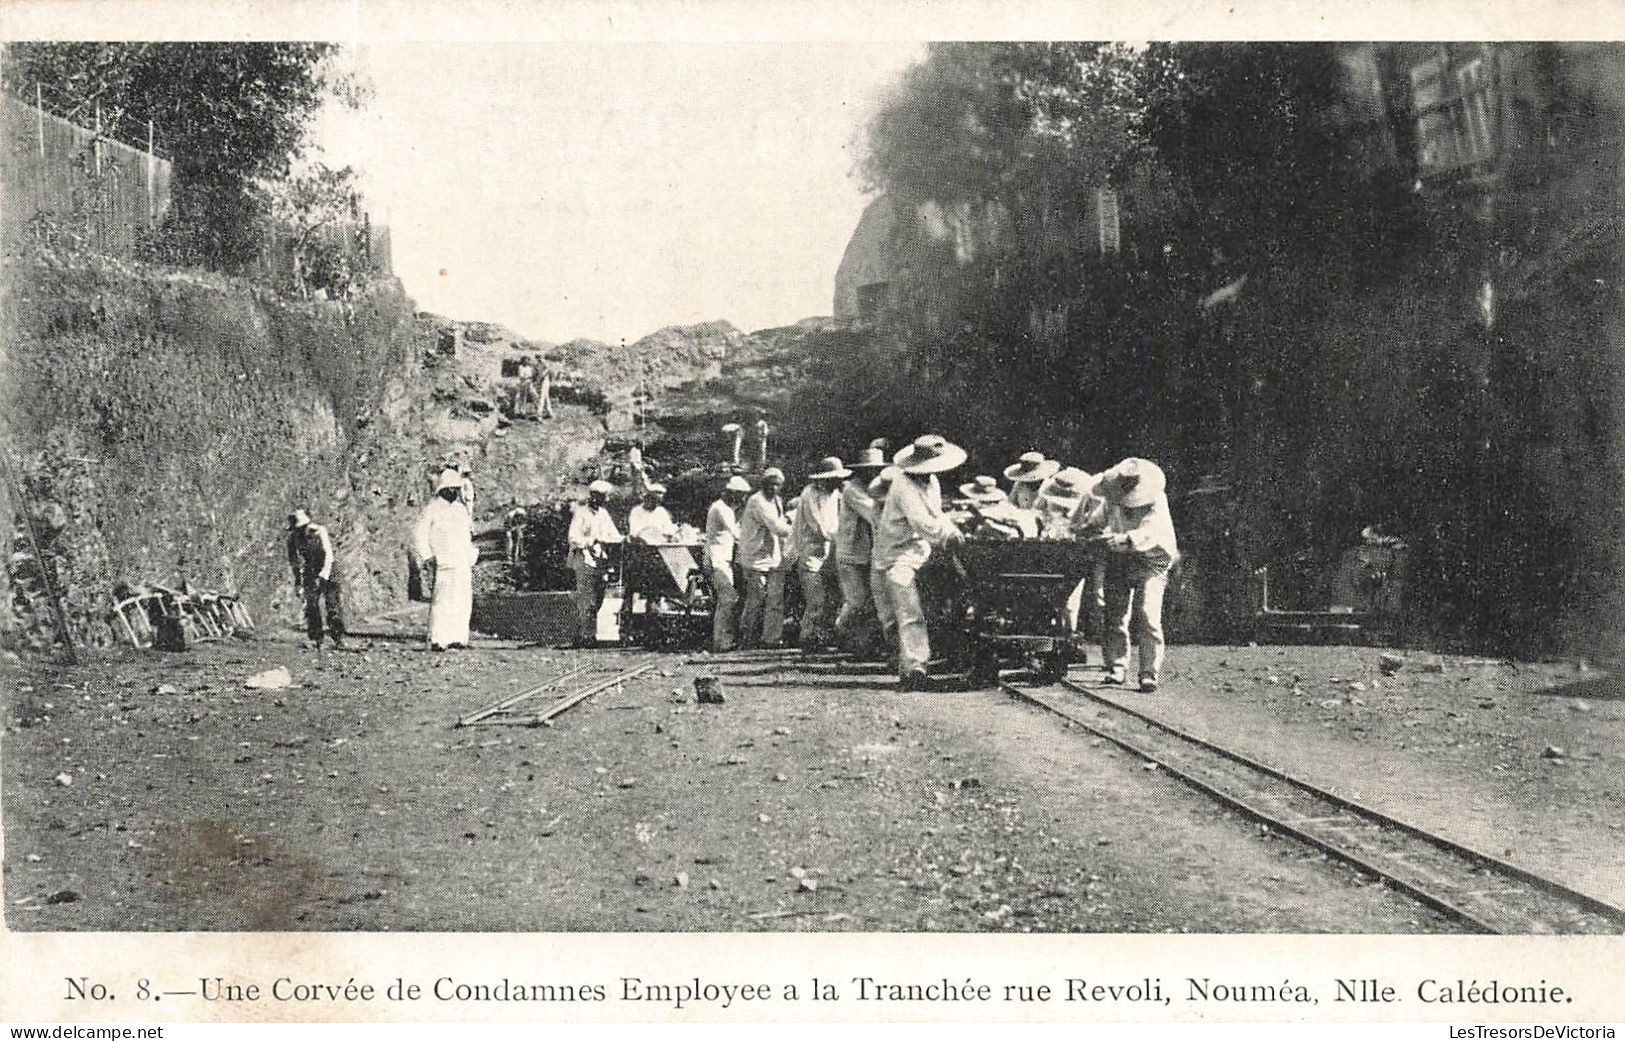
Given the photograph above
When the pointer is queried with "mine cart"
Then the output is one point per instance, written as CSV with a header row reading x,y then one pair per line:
x,y
666,599
1003,602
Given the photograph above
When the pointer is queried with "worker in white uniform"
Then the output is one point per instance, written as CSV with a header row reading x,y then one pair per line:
x,y
650,521
911,524
855,628
817,520
762,533
444,541
592,531
1025,475
885,611
1069,509
721,543
1139,537
994,515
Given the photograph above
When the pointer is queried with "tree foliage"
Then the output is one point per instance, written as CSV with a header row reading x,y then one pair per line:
x,y
230,116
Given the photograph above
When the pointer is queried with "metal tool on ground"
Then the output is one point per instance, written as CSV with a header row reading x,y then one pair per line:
x,y
521,710
507,704
1486,893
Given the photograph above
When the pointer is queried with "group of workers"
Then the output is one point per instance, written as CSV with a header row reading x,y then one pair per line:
x,y
854,542
857,536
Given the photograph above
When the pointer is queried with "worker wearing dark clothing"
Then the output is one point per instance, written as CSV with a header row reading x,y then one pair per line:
x,y
310,555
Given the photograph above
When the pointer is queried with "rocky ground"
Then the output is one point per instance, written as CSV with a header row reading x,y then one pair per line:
x,y
152,791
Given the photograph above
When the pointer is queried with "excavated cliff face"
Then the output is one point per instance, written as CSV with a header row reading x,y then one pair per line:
x,y
162,424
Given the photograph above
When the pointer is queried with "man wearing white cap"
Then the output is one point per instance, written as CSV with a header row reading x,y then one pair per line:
x,y
721,542
1025,476
650,521
817,520
444,541
310,554
591,530
854,549
762,532
1140,538
910,525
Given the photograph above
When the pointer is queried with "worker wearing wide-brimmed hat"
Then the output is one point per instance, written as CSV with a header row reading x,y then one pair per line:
x,y
1025,475
879,490
911,523
444,539
721,544
762,534
855,624
993,515
817,521
1068,508
1139,536
592,531
310,554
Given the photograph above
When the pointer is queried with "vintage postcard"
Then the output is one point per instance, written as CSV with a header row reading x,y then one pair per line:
x,y
736,513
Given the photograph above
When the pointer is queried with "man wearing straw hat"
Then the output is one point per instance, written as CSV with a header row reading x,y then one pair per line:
x,y
813,534
310,554
1025,475
444,540
721,541
591,530
1139,535
993,513
854,548
762,532
1068,508
885,610
910,525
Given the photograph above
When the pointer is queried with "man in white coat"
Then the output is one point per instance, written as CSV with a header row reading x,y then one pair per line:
x,y
855,625
650,521
911,523
592,529
817,519
721,540
762,531
444,541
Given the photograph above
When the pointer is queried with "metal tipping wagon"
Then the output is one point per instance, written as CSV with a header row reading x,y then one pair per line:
x,y
998,602
666,599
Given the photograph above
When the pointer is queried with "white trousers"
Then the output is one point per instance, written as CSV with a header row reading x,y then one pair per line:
x,y
451,607
913,641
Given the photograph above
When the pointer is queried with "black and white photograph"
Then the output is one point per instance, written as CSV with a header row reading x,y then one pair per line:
x,y
918,487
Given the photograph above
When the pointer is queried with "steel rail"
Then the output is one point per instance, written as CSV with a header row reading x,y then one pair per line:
x,y
529,692
1331,835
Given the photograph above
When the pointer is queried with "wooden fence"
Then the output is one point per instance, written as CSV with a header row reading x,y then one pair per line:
x,y
68,183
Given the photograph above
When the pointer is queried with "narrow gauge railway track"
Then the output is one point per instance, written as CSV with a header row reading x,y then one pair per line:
x,y
522,708
1484,892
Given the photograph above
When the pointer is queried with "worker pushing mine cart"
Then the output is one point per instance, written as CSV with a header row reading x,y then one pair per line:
x,y
666,599
1004,602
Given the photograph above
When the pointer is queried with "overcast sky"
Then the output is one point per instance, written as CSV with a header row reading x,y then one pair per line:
x,y
605,190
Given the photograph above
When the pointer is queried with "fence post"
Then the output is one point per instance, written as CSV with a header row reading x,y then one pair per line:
x,y
152,172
